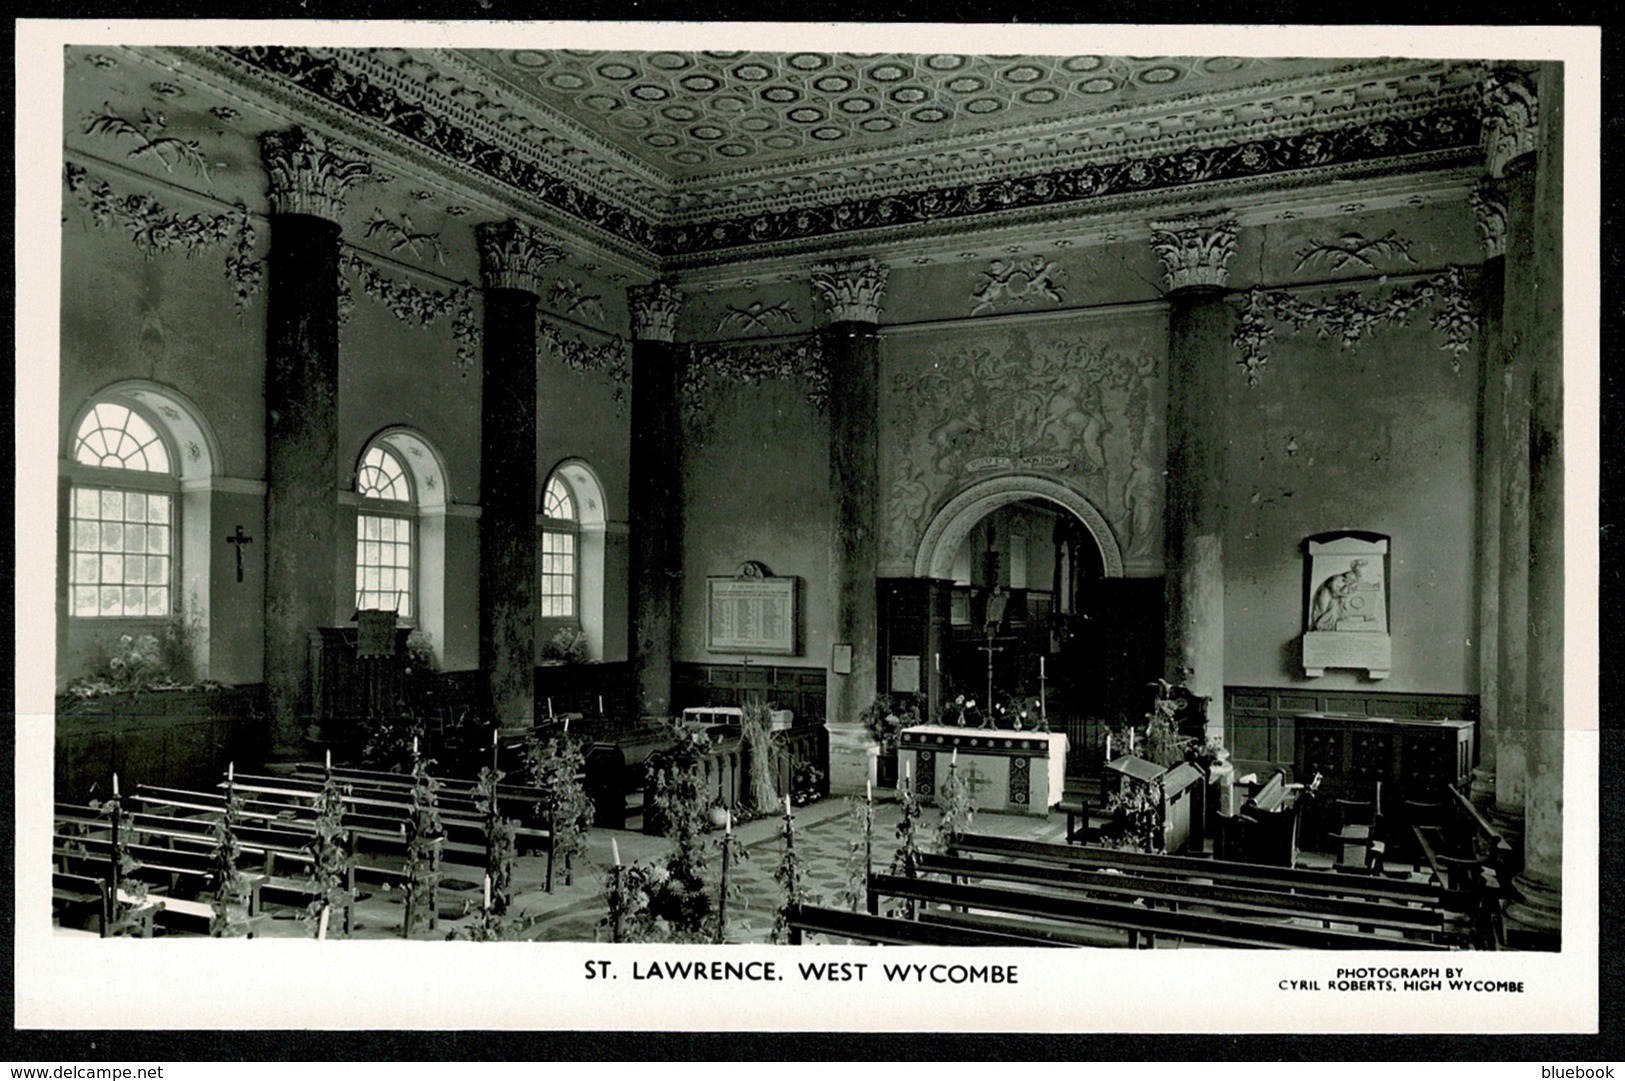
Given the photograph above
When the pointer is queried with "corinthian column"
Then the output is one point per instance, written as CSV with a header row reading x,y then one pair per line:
x,y
1534,328
853,292
308,178
513,257
654,511
1489,206
1196,258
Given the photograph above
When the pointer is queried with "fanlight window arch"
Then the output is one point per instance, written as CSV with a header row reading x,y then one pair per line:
x,y
122,517
384,546
560,551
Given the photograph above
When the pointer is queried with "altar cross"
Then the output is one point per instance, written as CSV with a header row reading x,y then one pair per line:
x,y
974,780
239,539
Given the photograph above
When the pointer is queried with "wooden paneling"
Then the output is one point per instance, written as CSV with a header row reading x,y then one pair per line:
x,y
1259,726
798,689
180,739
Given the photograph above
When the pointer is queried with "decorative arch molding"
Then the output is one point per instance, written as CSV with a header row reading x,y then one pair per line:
x,y
950,525
585,485
191,440
425,466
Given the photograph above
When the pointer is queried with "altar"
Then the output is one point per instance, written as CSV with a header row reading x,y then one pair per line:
x,y
1008,771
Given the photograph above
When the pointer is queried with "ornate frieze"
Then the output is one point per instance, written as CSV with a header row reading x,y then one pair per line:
x,y
1489,204
853,290
1511,117
654,309
308,173
1194,252
1356,251
514,255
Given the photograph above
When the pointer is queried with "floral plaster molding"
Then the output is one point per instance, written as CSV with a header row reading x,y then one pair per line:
x,y
412,304
1350,317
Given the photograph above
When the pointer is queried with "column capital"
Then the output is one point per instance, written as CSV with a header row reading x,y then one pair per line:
x,y
308,173
1194,251
513,255
853,290
654,309
1489,203
1510,109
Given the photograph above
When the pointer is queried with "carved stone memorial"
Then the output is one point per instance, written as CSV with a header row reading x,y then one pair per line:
x,y
1346,604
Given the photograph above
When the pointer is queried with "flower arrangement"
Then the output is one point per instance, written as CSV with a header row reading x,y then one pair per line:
x,y
145,662
568,645
962,712
889,714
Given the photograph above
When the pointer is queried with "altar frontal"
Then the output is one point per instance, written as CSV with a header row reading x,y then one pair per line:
x,y
1008,771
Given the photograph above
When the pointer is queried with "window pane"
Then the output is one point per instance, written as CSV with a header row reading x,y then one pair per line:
x,y
112,504
157,571
84,600
112,537
112,569
158,509
157,602
135,571
158,539
135,601
112,601
85,567
135,506
135,538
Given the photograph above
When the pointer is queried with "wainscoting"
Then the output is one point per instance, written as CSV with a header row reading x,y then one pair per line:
x,y
798,689
1259,725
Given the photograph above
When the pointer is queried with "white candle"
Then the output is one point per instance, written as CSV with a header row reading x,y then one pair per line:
x,y
567,726
115,784
1040,666
494,733
728,824
615,847
414,746
954,761
488,892
550,709
330,768
869,791
908,770
321,927
1108,746
600,705
231,771
786,805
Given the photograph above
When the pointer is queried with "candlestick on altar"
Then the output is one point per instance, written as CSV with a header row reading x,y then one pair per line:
x,y
1043,713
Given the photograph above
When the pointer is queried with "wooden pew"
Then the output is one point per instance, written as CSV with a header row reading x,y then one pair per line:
x,y
1133,919
181,878
89,893
1469,859
286,844
1334,883
864,927
1175,893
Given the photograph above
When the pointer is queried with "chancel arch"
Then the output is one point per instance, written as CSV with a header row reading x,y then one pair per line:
x,y
946,532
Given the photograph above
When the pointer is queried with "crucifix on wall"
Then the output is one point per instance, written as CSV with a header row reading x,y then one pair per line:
x,y
238,540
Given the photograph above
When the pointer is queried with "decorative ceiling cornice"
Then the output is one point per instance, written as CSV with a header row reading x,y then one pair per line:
x,y
1263,136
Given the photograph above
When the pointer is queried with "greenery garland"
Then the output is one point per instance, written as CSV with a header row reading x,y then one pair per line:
x,y
156,230
501,844
956,807
423,833
860,823
906,860
791,876
1350,317
230,900
557,767
329,862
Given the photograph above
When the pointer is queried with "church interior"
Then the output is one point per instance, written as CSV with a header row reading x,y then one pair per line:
x,y
1041,499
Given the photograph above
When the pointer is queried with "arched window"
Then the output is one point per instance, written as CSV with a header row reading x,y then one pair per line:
x,y
122,516
561,529
384,556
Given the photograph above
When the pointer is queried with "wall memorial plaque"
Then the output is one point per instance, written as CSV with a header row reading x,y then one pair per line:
x,y
754,614
1346,604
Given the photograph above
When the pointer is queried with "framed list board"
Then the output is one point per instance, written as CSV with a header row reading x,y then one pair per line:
x,y
751,615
